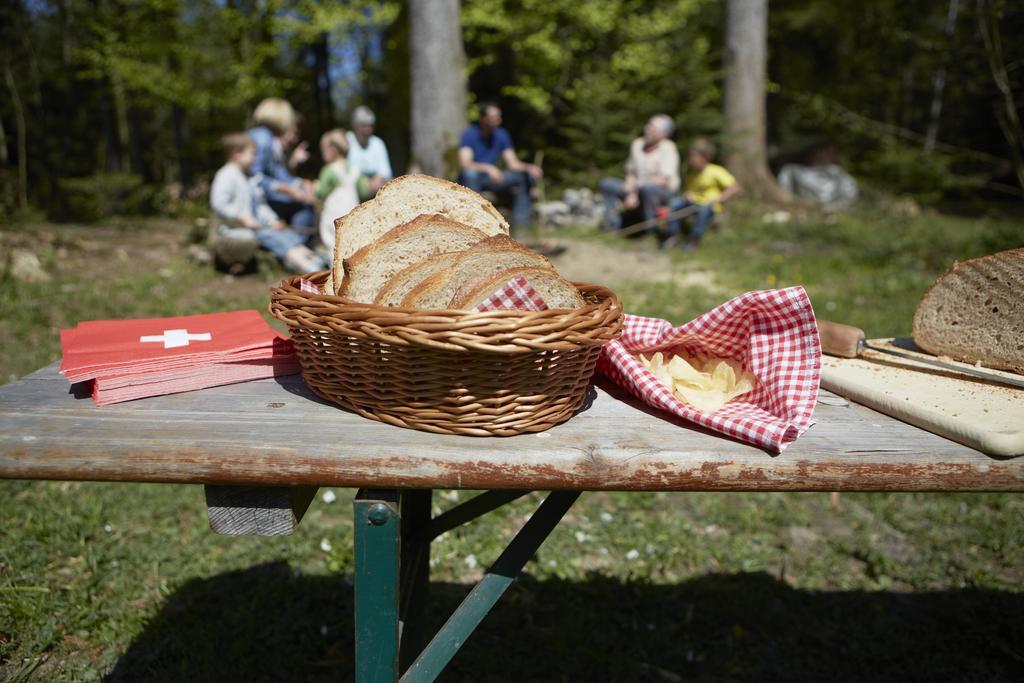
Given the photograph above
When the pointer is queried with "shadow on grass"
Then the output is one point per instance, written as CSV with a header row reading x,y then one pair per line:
x,y
265,623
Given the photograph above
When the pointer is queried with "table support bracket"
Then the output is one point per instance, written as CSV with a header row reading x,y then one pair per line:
x,y
470,510
468,615
393,531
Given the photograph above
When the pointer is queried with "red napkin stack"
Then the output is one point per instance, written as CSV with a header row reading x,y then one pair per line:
x,y
129,359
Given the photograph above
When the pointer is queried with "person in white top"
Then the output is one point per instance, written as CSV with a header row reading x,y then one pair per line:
x,y
367,152
652,174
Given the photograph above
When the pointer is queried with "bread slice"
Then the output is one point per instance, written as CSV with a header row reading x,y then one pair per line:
x,y
556,291
975,312
402,282
367,270
490,256
402,200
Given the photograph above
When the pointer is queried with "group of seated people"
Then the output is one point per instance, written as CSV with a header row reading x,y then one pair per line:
x,y
257,195
652,184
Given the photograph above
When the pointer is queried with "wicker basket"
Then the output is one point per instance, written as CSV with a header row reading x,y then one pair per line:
x,y
497,373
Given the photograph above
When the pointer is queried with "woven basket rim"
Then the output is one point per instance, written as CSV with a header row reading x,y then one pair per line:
x,y
486,331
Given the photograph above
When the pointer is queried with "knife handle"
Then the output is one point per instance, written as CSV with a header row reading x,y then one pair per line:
x,y
840,340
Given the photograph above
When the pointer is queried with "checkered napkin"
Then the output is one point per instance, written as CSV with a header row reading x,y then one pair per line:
x,y
773,333
308,287
515,295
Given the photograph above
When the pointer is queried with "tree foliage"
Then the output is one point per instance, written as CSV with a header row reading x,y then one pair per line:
x,y
870,83
580,80
132,93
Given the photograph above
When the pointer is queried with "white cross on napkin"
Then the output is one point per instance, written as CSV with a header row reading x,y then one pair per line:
x,y
175,338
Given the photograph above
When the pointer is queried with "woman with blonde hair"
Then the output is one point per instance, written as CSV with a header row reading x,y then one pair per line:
x,y
275,130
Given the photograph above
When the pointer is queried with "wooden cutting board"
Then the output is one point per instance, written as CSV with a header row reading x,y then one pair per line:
x,y
976,413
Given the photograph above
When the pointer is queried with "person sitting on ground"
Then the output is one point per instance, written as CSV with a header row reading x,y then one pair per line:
x,y
242,210
708,186
339,186
275,131
652,174
367,152
482,147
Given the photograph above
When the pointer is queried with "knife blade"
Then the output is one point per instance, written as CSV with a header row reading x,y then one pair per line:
x,y
847,341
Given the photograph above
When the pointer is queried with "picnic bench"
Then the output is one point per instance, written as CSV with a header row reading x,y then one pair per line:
x,y
262,448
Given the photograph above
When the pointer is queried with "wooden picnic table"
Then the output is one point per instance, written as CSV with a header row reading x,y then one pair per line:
x,y
263,447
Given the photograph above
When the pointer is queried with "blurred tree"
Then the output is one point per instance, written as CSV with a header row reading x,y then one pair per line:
x,y
939,82
1006,110
438,73
93,89
15,21
862,76
746,28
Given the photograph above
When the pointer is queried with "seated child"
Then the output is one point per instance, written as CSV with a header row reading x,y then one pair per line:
x,y
339,186
708,186
239,205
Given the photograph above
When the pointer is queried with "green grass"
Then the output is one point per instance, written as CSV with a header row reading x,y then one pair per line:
x,y
127,581
98,576
867,269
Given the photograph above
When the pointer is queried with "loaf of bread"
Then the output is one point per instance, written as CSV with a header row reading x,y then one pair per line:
x,y
556,291
370,268
402,200
487,257
975,312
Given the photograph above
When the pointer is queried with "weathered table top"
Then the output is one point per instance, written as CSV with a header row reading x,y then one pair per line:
x,y
278,433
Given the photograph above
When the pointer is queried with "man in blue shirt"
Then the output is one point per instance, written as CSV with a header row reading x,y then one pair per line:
x,y
483,145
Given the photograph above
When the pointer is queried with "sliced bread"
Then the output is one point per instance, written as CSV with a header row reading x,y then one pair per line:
x,y
402,282
556,291
975,312
402,200
489,256
369,269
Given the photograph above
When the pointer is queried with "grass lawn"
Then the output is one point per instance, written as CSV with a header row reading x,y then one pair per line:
x,y
127,581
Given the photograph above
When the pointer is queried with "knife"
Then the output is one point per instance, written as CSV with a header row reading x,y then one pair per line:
x,y
847,341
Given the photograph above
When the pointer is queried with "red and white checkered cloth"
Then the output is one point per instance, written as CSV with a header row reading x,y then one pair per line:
x,y
308,287
772,333
515,295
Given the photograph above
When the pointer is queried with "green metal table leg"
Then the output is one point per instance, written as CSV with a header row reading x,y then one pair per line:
x,y
414,567
377,534
485,594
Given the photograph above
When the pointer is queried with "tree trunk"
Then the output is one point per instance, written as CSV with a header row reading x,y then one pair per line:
x,y
939,81
322,84
119,98
438,75
1009,121
19,131
746,31
181,137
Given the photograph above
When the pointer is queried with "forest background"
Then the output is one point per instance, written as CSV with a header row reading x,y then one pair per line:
x,y
116,106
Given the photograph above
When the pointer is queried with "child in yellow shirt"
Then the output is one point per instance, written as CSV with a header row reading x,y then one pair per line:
x,y
708,186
